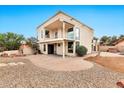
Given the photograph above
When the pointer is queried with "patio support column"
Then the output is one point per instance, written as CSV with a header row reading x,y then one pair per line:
x,y
74,48
63,49
46,48
74,33
74,43
63,29
43,33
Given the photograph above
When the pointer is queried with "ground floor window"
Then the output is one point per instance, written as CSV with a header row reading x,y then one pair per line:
x,y
70,47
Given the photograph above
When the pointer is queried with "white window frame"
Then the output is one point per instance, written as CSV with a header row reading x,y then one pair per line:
x,y
41,34
77,34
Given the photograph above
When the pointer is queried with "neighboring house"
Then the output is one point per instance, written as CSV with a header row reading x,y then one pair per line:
x,y
120,45
62,33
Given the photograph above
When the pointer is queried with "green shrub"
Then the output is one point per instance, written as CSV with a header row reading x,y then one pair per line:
x,y
81,50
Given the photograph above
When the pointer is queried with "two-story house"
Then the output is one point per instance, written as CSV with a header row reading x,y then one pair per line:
x,y
61,33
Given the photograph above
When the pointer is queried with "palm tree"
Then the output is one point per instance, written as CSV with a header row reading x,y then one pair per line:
x,y
10,41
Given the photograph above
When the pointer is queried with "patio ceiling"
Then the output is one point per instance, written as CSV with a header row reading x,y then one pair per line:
x,y
58,24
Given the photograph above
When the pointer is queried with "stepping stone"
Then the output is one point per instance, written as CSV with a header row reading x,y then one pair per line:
x,y
3,64
12,64
21,63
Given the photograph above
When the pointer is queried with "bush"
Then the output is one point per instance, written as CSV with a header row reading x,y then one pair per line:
x,y
81,50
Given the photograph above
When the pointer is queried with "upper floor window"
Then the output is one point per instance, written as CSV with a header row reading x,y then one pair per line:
x,y
41,34
77,34
70,33
56,34
47,34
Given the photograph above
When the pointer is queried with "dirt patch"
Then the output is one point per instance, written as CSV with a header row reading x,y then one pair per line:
x,y
114,63
56,63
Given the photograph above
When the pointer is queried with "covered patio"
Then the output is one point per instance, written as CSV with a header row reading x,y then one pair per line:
x,y
64,43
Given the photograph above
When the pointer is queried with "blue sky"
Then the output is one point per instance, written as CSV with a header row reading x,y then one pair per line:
x,y
105,20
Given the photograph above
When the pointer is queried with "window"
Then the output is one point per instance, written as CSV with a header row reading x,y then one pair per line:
x,y
44,47
70,47
47,34
58,45
70,33
77,34
56,34
41,34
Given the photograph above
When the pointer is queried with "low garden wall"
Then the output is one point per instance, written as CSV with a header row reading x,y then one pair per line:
x,y
108,48
105,48
10,52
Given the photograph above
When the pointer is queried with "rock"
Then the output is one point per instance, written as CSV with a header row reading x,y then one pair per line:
x,y
120,83
3,64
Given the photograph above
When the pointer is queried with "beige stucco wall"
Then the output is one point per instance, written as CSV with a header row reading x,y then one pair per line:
x,y
42,48
27,51
86,37
59,49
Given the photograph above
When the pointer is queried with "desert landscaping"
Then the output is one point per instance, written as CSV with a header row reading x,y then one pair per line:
x,y
20,67
34,74
114,63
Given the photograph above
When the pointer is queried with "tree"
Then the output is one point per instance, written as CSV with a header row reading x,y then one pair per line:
x,y
11,41
95,38
2,42
121,36
108,40
32,42
113,39
105,40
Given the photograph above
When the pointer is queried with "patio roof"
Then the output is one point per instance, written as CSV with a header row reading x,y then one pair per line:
x,y
68,16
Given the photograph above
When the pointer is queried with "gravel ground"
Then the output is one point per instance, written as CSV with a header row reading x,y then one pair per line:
x,y
30,76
